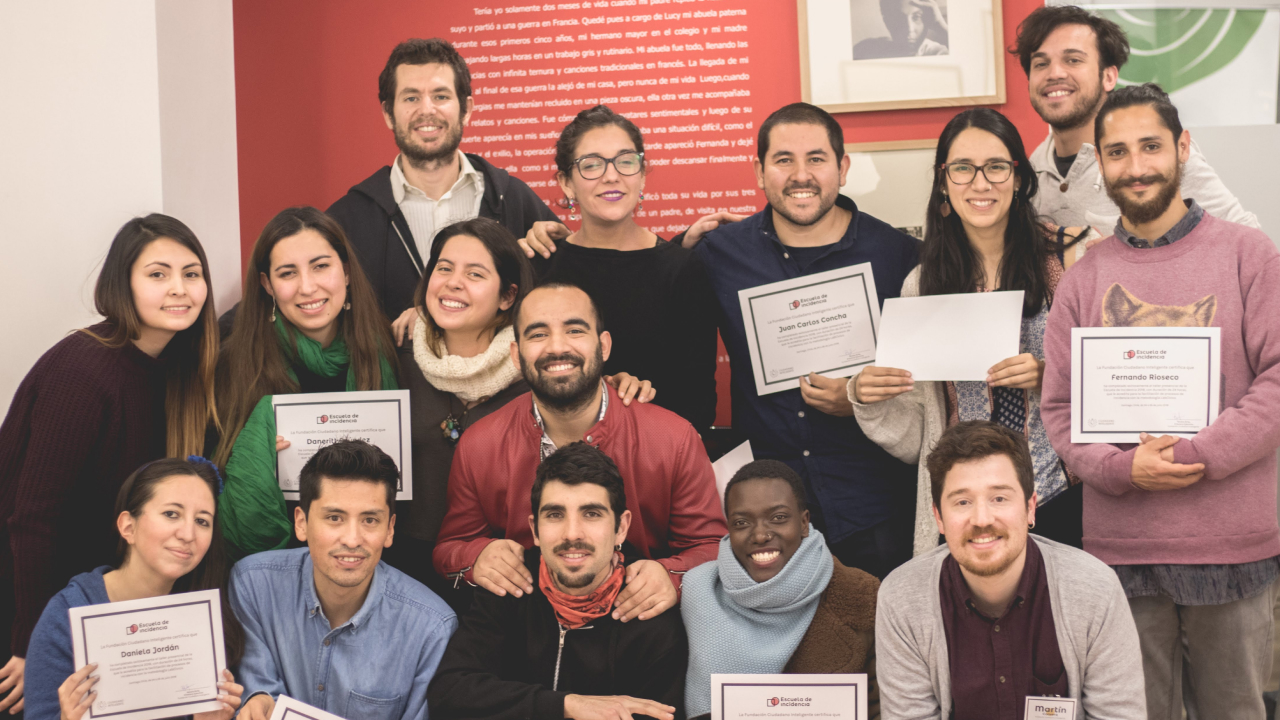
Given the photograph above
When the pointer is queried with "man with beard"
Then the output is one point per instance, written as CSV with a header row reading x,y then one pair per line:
x,y
319,620
1188,524
560,349
556,652
392,217
1072,59
859,496
996,617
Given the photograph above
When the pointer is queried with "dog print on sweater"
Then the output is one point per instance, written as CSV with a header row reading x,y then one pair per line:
x,y
1120,308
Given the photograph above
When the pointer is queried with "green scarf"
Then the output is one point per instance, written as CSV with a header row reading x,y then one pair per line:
x,y
251,509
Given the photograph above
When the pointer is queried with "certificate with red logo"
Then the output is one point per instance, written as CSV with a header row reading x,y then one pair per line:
x,y
1131,380
824,323
159,657
310,421
289,709
789,697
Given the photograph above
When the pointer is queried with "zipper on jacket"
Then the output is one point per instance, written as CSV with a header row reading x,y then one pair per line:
x,y
555,681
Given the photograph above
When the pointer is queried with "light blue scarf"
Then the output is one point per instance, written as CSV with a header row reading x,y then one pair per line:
x,y
737,625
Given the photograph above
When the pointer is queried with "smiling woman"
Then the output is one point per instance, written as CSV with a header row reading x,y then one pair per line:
x,y
308,322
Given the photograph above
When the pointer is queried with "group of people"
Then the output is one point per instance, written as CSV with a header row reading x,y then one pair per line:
x,y
566,553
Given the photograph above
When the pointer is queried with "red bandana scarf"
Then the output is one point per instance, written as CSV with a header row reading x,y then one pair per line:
x,y
575,611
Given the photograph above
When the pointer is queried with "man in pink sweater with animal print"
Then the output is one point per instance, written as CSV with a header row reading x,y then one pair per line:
x,y
1188,525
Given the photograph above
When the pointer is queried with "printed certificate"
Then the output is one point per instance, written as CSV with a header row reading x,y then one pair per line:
x,y
825,323
1158,380
795,697
157,658
289,709
309,421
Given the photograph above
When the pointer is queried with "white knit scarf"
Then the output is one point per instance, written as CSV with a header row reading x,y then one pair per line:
x,y
471,378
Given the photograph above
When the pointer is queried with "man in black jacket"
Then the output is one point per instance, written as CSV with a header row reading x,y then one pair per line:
x,y
392,216
557,653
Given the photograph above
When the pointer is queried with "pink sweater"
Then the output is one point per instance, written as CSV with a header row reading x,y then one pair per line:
x,y
1220,275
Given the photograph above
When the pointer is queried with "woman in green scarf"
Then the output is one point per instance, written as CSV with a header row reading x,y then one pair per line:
x,y
308,322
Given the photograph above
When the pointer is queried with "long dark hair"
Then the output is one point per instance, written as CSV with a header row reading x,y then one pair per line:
x,y
948,263
191,356
253,364
213,570
510,262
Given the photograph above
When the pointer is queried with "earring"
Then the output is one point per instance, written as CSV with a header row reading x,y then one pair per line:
x,y
945,207
1032,526
346,305
640,207
573,208
618,547
1015,194
273,309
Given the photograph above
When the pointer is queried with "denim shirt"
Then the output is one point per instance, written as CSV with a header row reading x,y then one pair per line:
x,y
854,481
376,666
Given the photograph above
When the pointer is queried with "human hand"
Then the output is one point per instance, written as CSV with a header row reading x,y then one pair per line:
x,y
706,224
1154,469
876,384
403,326
649,592
830,395
932,13
259,707
229,693
281,443
75,694
500,569
613,707
12,676
541,238
1024,372
629,386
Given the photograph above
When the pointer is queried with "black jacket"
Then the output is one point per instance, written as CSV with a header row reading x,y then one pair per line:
x,y
386,249
501,663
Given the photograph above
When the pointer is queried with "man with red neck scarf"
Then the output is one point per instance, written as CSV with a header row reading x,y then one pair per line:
x,y
557,652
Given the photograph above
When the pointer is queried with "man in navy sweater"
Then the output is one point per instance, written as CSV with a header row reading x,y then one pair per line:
x,y
861,497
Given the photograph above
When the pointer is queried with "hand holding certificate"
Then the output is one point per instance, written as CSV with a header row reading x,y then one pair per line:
x,y
310,421
823,323
159,657
776,697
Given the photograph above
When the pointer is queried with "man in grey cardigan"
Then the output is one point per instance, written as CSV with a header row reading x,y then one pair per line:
x,y
998,621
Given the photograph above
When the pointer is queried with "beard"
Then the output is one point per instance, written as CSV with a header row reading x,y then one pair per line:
x,y
564,393
996,565
1139,212
567,580
1080,112
418,156
777,201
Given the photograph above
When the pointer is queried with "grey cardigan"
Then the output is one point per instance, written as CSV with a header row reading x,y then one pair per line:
x,y
1095,630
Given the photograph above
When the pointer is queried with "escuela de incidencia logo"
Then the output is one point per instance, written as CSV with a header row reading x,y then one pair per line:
x,y
131,630
773,702
1129,354
322,419
345,418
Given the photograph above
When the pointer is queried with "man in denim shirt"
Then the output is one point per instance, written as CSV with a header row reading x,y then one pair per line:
x,y
330,625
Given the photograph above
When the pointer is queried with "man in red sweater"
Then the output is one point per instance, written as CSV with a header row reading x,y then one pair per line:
x,y
670,487
1189,525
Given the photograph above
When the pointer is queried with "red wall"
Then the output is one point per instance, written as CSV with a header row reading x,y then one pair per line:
x,y
309,125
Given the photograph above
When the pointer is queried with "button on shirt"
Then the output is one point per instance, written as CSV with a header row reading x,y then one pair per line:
x,y
547,446
425,216
997,662
376,666
853,482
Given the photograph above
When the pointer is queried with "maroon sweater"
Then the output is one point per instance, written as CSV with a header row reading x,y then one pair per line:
x,y
83,419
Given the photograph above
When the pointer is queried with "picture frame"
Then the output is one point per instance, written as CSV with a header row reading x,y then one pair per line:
x,y
927,53
892,180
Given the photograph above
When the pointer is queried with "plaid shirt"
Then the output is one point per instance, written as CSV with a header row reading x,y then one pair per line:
x,y
548,445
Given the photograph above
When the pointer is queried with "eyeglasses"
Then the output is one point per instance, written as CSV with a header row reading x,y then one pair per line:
x,y
627,162
963,173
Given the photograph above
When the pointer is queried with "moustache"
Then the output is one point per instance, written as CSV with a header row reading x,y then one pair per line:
x,y
811,187
979,532
350,551
546,360
568,545
1143,180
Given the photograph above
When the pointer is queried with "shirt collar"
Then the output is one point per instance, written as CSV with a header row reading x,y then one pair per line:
x,y
1180,229
1026,583
1047,155
547,445
842,201
400,186
371,600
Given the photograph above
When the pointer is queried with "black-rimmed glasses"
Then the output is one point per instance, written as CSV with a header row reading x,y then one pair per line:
x,y
627,162
963,173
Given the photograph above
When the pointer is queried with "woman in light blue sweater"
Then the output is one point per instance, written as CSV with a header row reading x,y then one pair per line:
x,y
169,542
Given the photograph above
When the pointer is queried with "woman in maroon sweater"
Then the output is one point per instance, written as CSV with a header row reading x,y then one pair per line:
x,y
102,402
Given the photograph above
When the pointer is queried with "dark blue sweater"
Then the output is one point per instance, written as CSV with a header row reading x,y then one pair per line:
x,y
49,658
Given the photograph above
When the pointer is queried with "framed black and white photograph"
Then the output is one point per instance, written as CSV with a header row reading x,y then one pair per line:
x,y
892,181
859,55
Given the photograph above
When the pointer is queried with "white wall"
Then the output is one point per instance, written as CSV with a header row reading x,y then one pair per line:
x,y
92,134
1245,158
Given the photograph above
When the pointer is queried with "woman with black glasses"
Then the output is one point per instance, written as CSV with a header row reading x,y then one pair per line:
x,y
654,296
981,234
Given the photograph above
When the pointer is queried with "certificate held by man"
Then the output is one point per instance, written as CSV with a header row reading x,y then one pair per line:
x,y
789,697
310,421
159,657
825,323
1131,380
